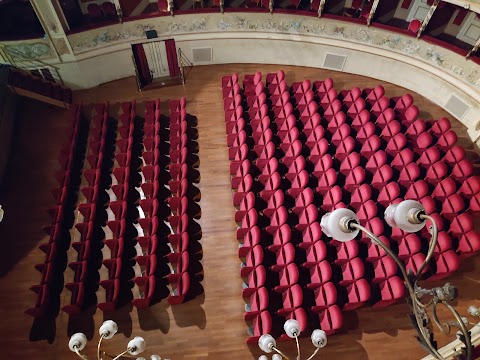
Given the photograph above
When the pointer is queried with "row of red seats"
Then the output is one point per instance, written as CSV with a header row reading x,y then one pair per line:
x,y
257,312
388,285
117,207
325,293
292,295
409,171
149,210
87,244
52,269
179,220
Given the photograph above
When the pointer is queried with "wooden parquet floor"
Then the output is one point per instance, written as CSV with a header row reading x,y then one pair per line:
x,y
211,326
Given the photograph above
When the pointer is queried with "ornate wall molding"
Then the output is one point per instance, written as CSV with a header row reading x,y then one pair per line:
x,y
280,24
35,49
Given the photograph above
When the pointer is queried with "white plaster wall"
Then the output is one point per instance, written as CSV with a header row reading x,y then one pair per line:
x,y
401,13
91,72
451,28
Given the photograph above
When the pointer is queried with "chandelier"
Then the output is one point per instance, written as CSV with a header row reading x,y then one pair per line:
x,y
108,329
268,344
410,216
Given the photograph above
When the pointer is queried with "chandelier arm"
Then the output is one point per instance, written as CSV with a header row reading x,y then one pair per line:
x,y
418,313
120,355
80,355
124,355
281,353
298,348
314,353
389,251
431,246
98,347
445,327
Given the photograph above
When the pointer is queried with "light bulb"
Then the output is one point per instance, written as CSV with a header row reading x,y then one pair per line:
x,y
266,343
77,342
292,328
319,338
136,345
404,216
334,224
108,329
473,310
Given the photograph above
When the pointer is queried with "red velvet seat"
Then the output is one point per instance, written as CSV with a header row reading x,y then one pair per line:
x,y
365,132
325,296
352,270
381,177
390,290
311,234
284,256
147,287
320,273
331,319
288,276
414,25
469,243
315,253
255,279
358,294
281,236
182,286
461,224
388,194
360,195
385,117
436,172
470,187
383,269
275,78
259,302
322,87
262,324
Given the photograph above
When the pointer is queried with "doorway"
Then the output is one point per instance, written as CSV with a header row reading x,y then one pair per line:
x,y
156,63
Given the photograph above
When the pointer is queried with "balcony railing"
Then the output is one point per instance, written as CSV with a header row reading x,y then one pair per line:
x,y
448,24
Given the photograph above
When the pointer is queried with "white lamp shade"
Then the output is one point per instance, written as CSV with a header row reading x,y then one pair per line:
x,y
319,338
141,358
330,224
263,357
266,343
396,215
1,213
108,329
155,357
276,357
77,341
136,345
291,328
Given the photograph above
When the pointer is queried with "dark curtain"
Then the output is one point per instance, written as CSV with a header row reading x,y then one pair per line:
x,y
142,64
172,58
